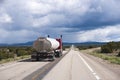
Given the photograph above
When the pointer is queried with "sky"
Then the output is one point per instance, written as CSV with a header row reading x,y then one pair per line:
x,y
77,20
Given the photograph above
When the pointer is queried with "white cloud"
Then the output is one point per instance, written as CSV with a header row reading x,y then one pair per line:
x,y
109,33
36,7
58,11
4,17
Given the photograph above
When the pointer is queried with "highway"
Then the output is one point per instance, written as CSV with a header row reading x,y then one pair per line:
x,y
73,66
77,66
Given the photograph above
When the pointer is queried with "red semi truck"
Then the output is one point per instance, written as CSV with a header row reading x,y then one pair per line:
x,y
46,47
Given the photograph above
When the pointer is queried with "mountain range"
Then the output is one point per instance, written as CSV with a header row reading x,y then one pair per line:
x,y
30,43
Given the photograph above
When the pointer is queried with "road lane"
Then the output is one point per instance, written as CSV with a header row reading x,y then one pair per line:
x,y
80,70
19,71
89,67
71,67
64,66
41,72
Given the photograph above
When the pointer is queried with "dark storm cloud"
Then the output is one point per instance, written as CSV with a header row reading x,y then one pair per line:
x,y
1,1
99,14
80,14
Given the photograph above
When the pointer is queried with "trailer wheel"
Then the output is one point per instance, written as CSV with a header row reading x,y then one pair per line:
x,y
37,59
59,54
53,57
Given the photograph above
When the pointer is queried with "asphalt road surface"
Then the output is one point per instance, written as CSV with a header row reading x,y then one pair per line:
x,y
77,66
18,70
73,66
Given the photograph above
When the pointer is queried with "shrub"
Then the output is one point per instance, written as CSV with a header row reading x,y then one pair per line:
x,y
110,47
119,54
106,49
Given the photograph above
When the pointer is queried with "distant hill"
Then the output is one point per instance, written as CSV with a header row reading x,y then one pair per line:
x,y
3,44
30,43
86,43
19,44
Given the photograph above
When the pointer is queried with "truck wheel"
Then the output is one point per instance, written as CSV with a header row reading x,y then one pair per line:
x,y
59,54
53,57
37,58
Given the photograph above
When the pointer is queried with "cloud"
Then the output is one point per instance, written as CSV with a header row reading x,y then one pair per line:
x,y
54,17
101,14
17,36
109,33
4,17
83,14
1,1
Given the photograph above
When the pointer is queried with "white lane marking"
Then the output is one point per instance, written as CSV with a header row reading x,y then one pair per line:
x,y
95,75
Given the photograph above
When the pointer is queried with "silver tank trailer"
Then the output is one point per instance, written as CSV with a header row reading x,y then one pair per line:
x,y
43,44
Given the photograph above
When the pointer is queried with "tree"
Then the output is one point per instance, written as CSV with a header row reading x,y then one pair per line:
x,y
110,47
106,49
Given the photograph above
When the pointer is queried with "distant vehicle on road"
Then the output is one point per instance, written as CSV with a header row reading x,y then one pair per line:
x,y
46,47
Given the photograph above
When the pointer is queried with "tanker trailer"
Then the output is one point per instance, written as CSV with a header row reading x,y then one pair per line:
x,y
47,48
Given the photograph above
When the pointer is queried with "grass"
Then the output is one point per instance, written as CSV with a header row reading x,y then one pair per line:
x,y
112,59
14,59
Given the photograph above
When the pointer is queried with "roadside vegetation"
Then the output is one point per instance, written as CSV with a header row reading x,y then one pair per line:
x,y
14,53
111,48
109,52
66,47
81,47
